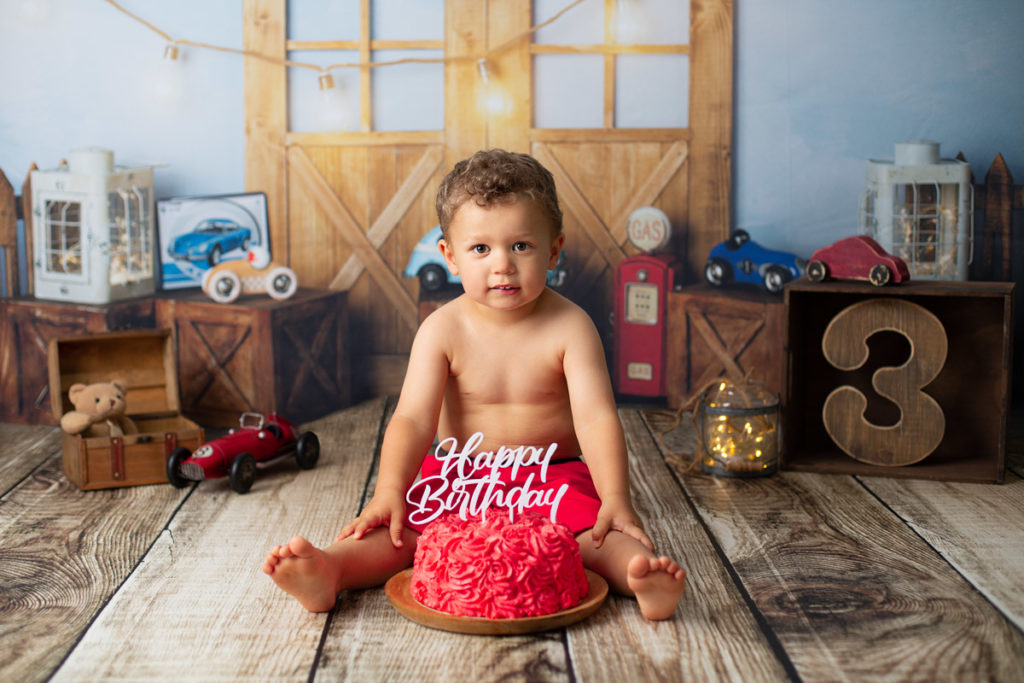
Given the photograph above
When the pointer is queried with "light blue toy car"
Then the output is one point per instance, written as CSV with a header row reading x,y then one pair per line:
x,y
427,264
741,260
209,240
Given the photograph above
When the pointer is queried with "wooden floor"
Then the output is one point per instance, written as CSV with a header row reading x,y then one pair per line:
x,y
798,576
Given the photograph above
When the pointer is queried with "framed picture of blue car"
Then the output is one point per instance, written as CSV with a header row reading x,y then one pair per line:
x,y
197,233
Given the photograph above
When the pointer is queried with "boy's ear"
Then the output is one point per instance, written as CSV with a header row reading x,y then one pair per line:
x,y
446,251
556,249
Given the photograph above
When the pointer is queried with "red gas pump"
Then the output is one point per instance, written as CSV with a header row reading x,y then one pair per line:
x,y
642,284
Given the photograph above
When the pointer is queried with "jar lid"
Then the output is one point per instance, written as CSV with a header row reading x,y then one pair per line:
x,y
728,397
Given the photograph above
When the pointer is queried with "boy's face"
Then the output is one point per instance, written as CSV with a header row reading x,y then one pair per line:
x,y
502,252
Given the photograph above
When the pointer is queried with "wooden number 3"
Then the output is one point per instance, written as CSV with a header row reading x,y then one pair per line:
x,y
922,423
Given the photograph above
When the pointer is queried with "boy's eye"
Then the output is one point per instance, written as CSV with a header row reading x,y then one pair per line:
x,y
520,246
480,249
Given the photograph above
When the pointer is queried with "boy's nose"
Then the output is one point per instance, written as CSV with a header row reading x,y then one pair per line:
x,y
502,262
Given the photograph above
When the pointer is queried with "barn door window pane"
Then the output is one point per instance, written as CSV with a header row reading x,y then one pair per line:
x,y
652,91
567,91
389,97
611,64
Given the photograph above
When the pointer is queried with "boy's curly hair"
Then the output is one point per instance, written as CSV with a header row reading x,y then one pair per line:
x,y
494,176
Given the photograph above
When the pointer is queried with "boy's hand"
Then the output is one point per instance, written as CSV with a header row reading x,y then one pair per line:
x,y
618,514
385,508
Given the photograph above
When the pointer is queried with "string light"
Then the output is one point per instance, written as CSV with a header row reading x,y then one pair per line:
x,y
166,79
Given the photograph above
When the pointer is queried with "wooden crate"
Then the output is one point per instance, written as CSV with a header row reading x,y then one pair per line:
x,y
715,332
144,361
26,327
972,387
259,355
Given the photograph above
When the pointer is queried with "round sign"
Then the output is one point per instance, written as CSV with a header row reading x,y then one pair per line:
x,y
648,228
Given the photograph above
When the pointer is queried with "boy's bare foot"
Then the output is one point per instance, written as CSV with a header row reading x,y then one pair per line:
x,y
658,583
301,569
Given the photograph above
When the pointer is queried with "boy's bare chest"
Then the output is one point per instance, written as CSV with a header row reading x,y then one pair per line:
x,y
519,370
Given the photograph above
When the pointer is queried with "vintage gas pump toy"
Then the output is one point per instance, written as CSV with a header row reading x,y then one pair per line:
x,y
642,284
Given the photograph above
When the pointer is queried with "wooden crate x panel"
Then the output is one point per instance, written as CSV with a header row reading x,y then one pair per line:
x,y
260,355
27,326
716,333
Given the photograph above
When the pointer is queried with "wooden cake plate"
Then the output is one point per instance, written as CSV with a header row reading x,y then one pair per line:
x,y
398,592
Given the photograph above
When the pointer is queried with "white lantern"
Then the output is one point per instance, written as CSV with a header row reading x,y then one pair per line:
x,y
93,230
920,207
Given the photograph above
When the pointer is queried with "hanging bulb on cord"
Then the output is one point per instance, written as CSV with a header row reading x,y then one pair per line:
x,y
331,113
35,12
492,98
167,78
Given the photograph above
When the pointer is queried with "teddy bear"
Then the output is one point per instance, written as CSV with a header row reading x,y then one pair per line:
x,y
99,411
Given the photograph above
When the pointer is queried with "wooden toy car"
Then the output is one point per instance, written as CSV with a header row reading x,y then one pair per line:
x,y
857,258
258,440
739,259
254,275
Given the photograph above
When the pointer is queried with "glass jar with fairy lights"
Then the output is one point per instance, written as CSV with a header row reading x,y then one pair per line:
x,y
738,430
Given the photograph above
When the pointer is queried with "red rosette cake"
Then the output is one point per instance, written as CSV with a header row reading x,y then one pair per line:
x,y
498,568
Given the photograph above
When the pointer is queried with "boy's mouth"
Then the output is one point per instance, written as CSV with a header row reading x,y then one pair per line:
x,y
506,289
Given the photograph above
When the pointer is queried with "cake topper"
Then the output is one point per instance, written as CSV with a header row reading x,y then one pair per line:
x,y
477,485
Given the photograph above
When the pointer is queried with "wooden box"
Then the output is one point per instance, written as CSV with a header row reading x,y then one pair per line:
x,y
26,327
714,332
971,386
144,361
259,355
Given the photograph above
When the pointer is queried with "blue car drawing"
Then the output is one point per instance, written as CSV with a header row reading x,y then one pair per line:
x,y
741,260
427,264
210,240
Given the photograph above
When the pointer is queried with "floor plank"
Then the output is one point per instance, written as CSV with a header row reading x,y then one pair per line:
x,y
62,553
688,646
199,607
25,447
976,527
836,576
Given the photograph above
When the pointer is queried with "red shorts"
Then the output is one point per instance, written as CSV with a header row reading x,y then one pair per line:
x,y
577,506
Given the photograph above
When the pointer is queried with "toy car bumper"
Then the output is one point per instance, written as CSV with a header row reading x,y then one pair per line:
x,y
192,471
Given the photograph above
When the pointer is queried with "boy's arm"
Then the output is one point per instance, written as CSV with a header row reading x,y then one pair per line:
x,y
409,433
599,430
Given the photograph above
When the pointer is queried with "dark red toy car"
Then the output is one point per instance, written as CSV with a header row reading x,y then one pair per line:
x,y
235,455
857,258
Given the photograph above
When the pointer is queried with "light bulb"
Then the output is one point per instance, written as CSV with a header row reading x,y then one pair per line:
x,y
35,12
331,112
631,24
167,78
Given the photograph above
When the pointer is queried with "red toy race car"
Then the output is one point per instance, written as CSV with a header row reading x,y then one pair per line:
x,y
857,258
235,455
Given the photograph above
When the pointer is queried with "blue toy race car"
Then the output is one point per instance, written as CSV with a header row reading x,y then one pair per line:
x,y
741,260
210,240
427,264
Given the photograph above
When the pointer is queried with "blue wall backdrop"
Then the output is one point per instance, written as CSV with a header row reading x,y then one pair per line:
x,y
820,87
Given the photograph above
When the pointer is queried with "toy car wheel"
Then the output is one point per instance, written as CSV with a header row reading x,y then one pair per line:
x,y
775,278
178,456
224,286
737,239
281,283
717,272
243,472
432,277
880,275
245,244
816,271
307,450
213,258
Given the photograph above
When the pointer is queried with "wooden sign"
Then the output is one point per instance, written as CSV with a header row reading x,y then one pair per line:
x,y
922,423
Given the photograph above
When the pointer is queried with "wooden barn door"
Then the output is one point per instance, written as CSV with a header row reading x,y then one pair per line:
x,y
347,208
